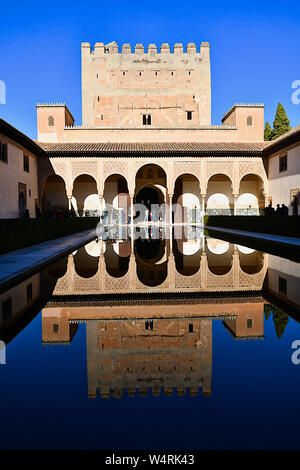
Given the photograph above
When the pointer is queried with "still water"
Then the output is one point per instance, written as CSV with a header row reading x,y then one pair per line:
x,y
153,343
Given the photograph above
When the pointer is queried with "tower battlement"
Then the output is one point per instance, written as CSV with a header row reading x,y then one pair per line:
x,y
137,86
113,48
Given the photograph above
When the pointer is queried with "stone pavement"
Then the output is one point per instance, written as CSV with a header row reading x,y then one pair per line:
x,y
22,263
280,240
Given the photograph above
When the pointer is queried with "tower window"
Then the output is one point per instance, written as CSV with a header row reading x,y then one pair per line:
x,y
249,121
50,121
98,99
29,292
189,115
282,285
7,308
191,327
146,119
55,327
124,73
249,322
26,163
283,163
3,152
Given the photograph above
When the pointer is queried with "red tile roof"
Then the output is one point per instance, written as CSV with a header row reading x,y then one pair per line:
x,y
289,138
167,147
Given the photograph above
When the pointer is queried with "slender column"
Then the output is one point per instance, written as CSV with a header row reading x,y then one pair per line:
x,y
171,271
170,209
236,267
203,196
101,203
70,201
131,240
235,197
131,208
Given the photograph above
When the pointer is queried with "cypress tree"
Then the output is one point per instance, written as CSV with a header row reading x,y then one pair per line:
x,y
267,310
281,123
280,320
268,131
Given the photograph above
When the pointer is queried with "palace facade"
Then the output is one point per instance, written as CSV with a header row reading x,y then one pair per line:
x,y
146,137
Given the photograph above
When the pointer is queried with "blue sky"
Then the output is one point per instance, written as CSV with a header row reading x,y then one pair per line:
x,y
255,49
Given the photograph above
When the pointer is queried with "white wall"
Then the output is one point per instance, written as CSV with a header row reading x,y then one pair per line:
x,y
289,270
281,183
12,173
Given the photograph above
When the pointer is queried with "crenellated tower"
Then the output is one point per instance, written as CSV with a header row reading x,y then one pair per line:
x,y
145,88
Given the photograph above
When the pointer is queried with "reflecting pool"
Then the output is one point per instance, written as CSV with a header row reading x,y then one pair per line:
x,y
153,343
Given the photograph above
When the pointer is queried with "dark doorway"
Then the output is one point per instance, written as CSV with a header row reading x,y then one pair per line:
x,y
295,205
148,196
22,199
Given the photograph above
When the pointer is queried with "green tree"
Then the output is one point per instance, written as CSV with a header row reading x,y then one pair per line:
x,y
267,310
280,320
281,124
268,131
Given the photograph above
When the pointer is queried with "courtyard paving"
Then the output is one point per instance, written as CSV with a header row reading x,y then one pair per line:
x,y
22,263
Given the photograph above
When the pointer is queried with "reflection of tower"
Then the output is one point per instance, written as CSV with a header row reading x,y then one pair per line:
x,y
149,354
249,324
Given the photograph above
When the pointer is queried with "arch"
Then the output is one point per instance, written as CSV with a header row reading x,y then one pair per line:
x,y
116,196
152,276
150,251
251,199
219,197
251,262
85,199
187,255
151,175
54,195
58,269
151,270
152,198
116,266
219,256
159,172
86,266
187,195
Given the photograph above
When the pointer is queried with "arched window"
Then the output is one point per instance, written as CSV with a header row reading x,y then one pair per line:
x,y
50,121
249,121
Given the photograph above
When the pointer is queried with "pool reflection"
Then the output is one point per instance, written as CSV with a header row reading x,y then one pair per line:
x,y
158,343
